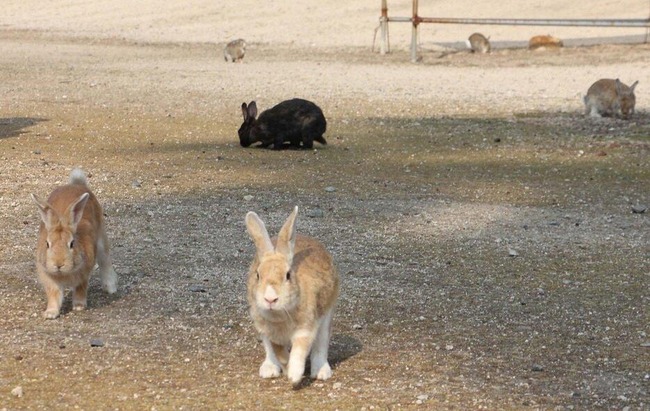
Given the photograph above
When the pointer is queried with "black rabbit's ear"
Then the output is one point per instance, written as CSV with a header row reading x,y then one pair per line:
x,y
252,109
244,111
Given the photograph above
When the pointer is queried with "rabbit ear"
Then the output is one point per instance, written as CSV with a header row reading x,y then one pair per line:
x,y
252,109
259,235
43,209
633,85
287,236
618,83
76,209
244,111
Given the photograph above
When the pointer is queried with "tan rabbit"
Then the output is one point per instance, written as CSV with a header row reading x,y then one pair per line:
x,y
234,51
543,42
292,289
607,97
478,43
70,240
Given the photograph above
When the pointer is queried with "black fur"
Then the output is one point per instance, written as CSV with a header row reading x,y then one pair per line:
x,y
294,121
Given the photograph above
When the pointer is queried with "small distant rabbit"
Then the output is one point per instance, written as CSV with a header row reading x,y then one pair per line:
x,y
292,121
607,97
544,42
235,50
478,43
292,290
71,239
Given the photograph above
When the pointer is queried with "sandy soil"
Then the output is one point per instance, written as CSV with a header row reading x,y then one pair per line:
x,y
441,171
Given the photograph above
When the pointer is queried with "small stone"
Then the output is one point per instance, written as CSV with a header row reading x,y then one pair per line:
x,y
423,397
357,327
645,344
136,184
337,385
639,209
497,140
537,368
330,189
512,252
96,342
17,392
316,213
197,289
248,197
37,152
449,347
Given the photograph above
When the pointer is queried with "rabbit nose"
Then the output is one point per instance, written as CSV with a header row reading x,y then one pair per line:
x,y
271,300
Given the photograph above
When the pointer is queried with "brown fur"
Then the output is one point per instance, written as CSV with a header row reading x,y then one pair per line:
x,y
71,240
478,43
609,97
304,302
544,42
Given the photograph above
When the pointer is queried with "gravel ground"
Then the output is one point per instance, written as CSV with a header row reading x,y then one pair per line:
x,y
483,228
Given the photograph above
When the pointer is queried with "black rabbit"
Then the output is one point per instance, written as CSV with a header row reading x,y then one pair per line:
x,y
292,121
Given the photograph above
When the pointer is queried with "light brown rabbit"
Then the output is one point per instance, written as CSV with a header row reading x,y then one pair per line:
x,y
292,289
607,97
70,240
478,43
543,42
234,51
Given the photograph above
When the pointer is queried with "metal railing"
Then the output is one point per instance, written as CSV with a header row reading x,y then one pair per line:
x,y
415,19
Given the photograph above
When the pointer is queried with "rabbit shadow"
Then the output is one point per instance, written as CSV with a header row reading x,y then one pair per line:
x,y
15,126
342,347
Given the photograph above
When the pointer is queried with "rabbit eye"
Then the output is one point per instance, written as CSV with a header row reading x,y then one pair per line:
x,y
258,276
48,244
288,275
72,244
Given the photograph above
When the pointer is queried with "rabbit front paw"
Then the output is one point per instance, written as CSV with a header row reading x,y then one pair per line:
x,y
269,370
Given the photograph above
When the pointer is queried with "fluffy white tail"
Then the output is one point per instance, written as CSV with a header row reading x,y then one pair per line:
x,y
77,176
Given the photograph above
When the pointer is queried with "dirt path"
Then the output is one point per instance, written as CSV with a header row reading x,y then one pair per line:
x,y
441,170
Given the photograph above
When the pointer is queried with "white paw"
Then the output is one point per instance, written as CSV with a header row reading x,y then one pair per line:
x,y
109,281
269,370
79,306
50,314
324,373
295,374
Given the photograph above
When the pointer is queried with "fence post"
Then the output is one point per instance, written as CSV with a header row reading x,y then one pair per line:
x,y
414,33
384,46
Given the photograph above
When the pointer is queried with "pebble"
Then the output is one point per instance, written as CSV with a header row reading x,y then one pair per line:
x,y
423,397
197,289
316,213
357,327
248,197
96,342
537,367
330,189
337,385
645,344
512,252
639,209
17,392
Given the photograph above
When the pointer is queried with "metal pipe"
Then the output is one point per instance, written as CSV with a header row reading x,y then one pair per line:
x,y
414,33
383,25
525,22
